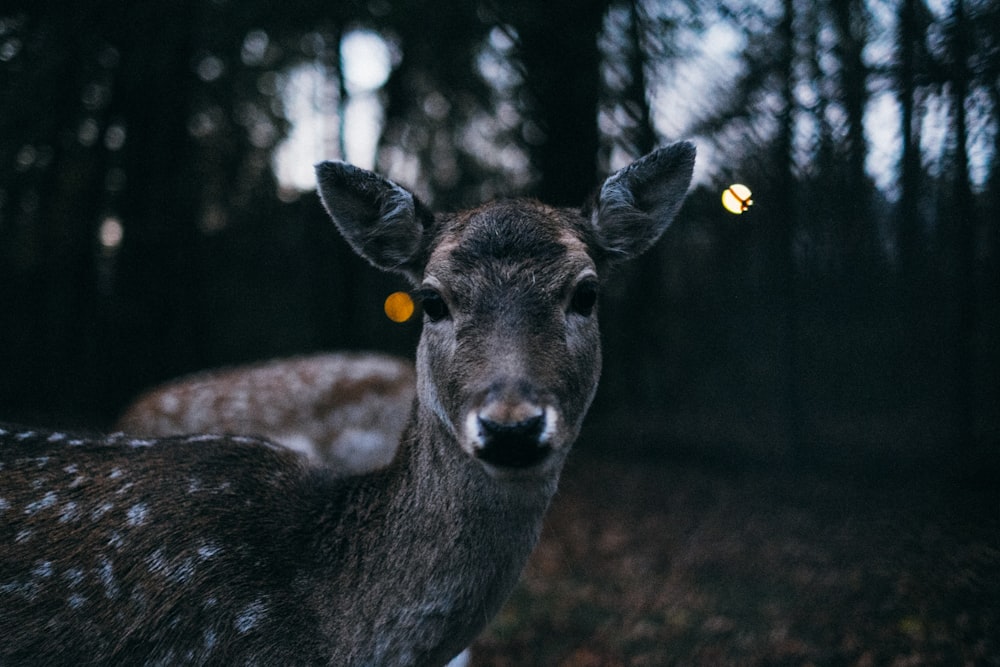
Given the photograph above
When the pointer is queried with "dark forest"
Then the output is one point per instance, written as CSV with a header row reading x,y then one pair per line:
x,y
850,312
847,321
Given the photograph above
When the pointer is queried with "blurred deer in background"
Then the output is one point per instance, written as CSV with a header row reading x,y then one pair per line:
x,y
230,550
342,410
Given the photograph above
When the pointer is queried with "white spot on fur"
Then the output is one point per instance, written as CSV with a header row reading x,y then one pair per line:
x,y
137,514
42,570
183,572
208,550
23,535
362,450
48,500
27,590
4,504
251,616
75,601
106,575
57,437
115,473
73,576
169,403
202,438
69,512
100,511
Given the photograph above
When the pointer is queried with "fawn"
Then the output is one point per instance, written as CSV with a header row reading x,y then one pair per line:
x,y
230,550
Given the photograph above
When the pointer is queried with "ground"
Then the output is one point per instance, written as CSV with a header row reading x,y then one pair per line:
x,y
680,564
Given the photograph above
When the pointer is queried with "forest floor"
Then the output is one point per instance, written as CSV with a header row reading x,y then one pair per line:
x,y
681,564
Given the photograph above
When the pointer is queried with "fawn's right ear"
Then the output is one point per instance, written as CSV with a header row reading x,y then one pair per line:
x,y
383,222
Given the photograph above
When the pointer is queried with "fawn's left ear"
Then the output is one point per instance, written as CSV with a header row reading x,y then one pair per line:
x,y
637,204
382,221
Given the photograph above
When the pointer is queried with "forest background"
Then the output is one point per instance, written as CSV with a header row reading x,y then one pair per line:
x,y
152,223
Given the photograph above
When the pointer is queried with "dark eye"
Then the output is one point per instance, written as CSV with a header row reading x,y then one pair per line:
x,y
584,298
433,304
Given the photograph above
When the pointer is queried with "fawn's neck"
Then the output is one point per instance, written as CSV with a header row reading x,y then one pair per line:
x,y
453,538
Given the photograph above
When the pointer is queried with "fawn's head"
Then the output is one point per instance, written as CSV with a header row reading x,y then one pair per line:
x,y
509,356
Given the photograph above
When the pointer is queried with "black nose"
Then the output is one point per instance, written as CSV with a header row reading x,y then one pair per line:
x,y
512,445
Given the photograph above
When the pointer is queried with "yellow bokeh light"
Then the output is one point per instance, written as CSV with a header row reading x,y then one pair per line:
x,y
399,307
736,198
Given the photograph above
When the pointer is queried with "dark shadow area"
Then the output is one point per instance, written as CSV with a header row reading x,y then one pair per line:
x,y
666,563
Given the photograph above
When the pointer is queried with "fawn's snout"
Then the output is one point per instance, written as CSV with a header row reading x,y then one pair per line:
x,y
510,427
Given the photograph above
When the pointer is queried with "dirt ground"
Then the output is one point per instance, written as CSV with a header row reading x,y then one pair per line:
x,y
668,564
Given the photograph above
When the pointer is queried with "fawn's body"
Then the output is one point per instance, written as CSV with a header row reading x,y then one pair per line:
x,y
234,551
226,555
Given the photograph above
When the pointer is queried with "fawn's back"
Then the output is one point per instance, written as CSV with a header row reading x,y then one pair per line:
x,y
133,537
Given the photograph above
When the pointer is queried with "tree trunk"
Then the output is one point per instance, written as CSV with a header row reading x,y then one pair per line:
x,y
964,231
643,139
559,51
858,237
909,182
784,261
